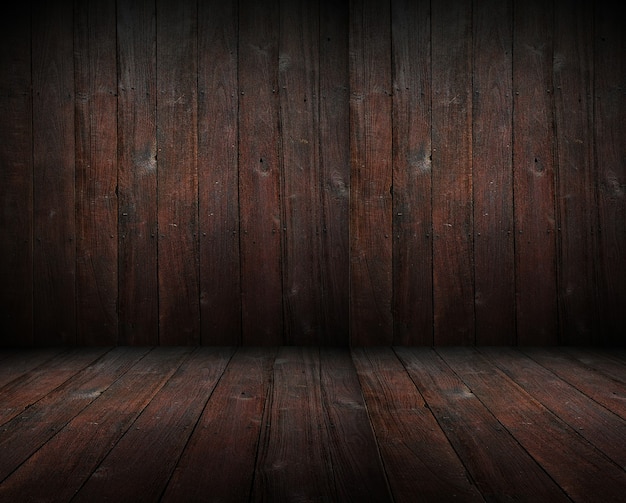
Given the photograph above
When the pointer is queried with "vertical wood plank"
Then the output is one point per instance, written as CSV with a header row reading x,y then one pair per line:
x,y
492,161
412,183
137,172
16,179
534,170
95,83
259,174
177,187
453,281
576,210
298,78
371,173
334,159
220,290
54,267
610,151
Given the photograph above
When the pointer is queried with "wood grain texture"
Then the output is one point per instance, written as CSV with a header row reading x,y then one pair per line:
x,y
260,174
298,79
231,425
577,203
501,469
548,439
610,155
177,173
137,173
334,159
416,454
371,285
54,225
412,173
453,257
16,179
534,174
220,289
492,180
95,82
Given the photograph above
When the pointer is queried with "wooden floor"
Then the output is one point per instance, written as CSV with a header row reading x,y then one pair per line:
x,y
309,424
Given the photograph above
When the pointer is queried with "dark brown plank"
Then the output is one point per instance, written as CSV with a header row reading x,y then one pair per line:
x,y
371,292
21,362
412,174
95,82
87,439
259,174
30,387
492,161
27,432
416,454
593,422
298,78
54,262
220,291
137,172
501,469
293,462
453,281
600,361
16,179
582,471
357,468
577,219
334,159
141,463
230,425
177,187
534,172
610,152
586,377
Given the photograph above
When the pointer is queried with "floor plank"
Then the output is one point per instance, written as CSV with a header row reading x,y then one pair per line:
x,y
583,472
417,456
57,470
17,362
500,467
230,425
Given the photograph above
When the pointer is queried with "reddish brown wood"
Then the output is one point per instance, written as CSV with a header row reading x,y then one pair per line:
x,y
15,364
412,174
500,467
142,461
583,472
220,289
294,462
357,468
95,81
492,162
137,175
230,425
534,172
54,226
371,284
577,217
334,159
177,187
99,427
298,79
610,152
24,434
16,179
28,388
453,274
260,174
416,454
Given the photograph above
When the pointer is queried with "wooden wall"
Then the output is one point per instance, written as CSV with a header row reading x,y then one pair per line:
x,y
312,172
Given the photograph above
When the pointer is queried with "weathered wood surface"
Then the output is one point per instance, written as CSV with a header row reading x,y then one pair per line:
x,y
314,424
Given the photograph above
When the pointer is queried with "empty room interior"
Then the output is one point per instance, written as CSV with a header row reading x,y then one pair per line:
x,y
313,251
